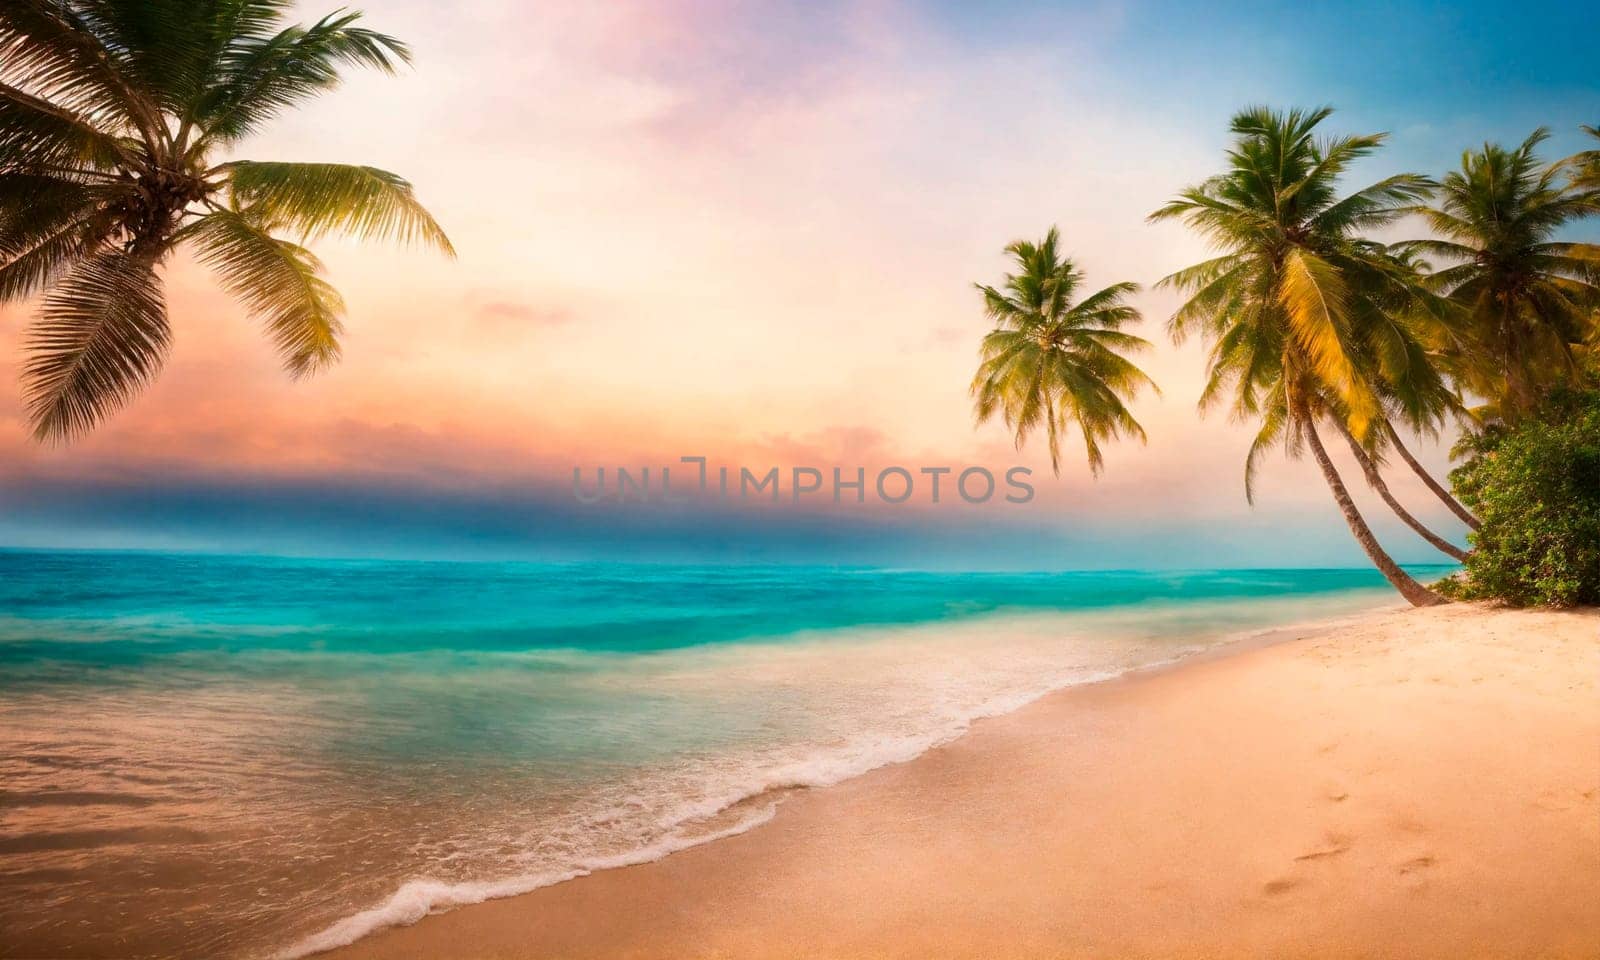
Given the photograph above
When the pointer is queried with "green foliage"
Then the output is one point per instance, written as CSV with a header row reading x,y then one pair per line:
x,y
282,284
1586,165
1525,299
1303,315
102,334
1536,488
312,199
1052,363
110,111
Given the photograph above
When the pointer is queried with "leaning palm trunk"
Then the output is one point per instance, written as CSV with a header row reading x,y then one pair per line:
x,y
1432,484
1415,593
1376,482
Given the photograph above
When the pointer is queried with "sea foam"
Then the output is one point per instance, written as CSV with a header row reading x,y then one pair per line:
x,y
764,783
423,896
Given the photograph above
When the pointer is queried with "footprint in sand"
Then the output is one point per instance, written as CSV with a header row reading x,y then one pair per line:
x,y
1416,865
1333,845
1560,801
1406,823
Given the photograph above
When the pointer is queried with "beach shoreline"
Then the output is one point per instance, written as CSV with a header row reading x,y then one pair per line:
x,y
1358,788
419,897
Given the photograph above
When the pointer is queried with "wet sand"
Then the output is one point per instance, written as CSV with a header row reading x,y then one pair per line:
x,y
1416,784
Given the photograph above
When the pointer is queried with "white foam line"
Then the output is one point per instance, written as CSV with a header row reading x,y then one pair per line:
x,y
417,898
423,896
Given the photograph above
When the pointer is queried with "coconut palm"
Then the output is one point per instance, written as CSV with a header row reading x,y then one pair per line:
x,y
1299,311
1053,363
115,116
1528,298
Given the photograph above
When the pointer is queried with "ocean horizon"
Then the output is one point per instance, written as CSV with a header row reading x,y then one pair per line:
x,y
799,481
246,756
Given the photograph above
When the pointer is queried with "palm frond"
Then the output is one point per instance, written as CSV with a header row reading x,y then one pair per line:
x,y
38,135
101,335
51,51
47,224
1275,418
1377,205
1109,303
157,46
280,282
313,199
260,76
1313,296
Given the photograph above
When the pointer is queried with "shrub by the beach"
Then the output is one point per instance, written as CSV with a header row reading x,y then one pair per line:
x,y
1536,488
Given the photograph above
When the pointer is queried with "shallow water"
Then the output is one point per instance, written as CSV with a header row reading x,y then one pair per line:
x,y
241,756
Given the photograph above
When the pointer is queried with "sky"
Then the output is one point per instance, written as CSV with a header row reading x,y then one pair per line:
x,y
749,232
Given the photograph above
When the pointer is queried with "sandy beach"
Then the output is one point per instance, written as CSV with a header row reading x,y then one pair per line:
x,y
1419,784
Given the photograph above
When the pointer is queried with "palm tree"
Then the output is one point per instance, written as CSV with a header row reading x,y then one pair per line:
x,y
1528,298
112,116
1299,311
1052,363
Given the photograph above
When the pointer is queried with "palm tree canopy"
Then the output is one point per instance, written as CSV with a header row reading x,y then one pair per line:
x,y
1588,178
1587,162
1303,315
1053,362
112,113
1306,320
1528,296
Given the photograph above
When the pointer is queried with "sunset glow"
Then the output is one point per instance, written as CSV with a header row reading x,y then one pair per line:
x,y
741,232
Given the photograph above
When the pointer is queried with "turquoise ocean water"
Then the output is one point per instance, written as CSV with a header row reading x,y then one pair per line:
x,y
240,756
